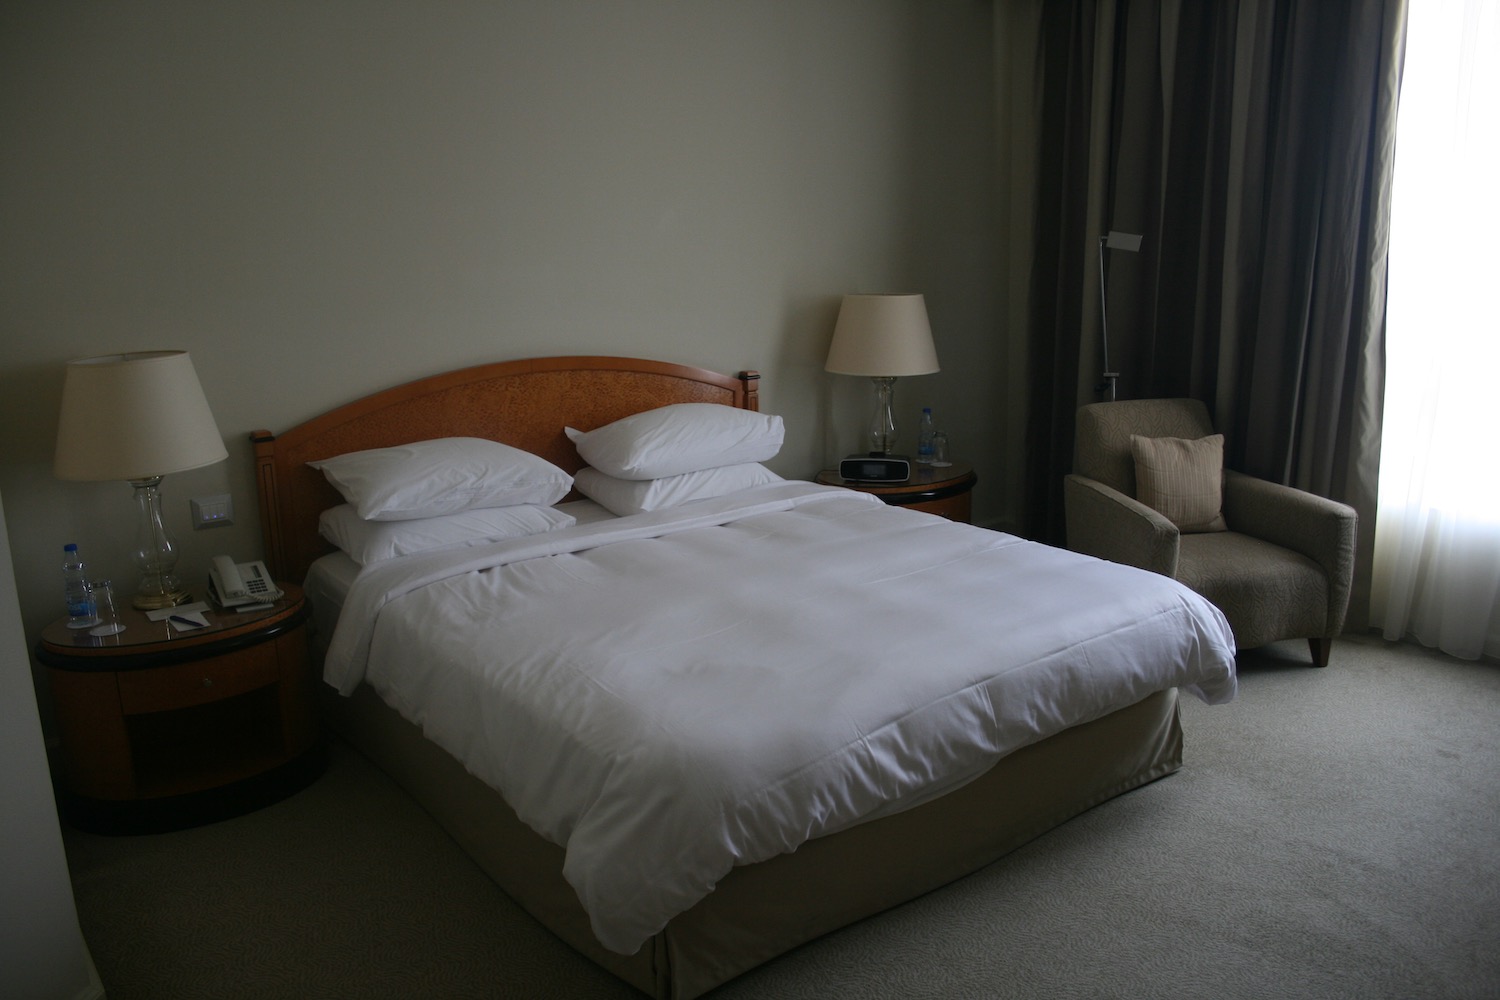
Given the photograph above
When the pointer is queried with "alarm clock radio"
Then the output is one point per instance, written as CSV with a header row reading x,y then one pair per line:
x,y
875,468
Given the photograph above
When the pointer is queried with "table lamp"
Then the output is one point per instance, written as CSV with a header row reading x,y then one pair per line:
x,y
882,337
138,417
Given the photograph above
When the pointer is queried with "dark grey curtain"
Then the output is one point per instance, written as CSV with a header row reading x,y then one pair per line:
x,y
1251,143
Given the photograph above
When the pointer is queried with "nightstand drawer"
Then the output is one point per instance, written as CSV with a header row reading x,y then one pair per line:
x,y
161,689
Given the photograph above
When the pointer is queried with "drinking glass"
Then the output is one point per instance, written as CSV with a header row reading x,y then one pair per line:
x,y
104,607
940,449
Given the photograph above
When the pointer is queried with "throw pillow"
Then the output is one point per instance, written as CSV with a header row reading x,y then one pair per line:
x,y
1182,479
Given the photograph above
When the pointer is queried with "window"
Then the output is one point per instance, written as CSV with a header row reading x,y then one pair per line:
x,y
1437,541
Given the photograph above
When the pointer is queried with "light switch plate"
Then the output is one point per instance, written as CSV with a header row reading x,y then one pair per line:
x,y
210,512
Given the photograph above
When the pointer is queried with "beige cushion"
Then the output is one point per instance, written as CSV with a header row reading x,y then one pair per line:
x,y
1182,479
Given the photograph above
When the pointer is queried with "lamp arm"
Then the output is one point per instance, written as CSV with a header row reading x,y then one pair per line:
x,y
1107,378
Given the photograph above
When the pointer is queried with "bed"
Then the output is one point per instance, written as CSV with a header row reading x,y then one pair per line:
x,y
851,859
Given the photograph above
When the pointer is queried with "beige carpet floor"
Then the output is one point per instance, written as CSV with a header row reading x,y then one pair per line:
x,y
1334,833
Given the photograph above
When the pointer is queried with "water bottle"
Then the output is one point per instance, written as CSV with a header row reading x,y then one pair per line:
x,y
925,431
76,589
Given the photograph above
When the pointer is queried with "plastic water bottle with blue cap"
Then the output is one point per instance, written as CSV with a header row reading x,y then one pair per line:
x,y
76,590
925,431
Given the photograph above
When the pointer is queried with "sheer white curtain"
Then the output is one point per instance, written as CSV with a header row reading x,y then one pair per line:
x,y
1437,538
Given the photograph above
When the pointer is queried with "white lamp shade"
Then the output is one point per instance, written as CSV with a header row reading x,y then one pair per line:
x,y
882,336
134,416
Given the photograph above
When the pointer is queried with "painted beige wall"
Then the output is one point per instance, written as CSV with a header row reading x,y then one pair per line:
x,y
318,200
42,951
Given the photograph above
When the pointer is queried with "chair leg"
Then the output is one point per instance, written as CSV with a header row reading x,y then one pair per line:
x,y
1320,647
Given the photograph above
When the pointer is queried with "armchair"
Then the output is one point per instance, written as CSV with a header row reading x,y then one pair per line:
x,y
1283,568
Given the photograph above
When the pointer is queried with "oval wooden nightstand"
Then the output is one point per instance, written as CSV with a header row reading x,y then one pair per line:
x,y
936,490
163,730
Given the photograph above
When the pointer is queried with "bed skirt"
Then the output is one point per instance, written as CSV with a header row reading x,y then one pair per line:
x,y
763,910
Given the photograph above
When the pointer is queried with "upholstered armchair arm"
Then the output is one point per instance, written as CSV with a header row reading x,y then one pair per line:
x,y
1106,523
1319,528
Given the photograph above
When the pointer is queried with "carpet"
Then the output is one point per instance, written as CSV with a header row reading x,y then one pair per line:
x,y
1333,833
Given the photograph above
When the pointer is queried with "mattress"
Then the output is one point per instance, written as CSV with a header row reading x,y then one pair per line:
x,y
668,696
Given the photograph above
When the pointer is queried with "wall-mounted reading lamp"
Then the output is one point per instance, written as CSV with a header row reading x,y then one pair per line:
x,y
1130,242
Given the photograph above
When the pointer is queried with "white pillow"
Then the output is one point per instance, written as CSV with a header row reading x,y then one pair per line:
x,y
682,437
628,496
442,476
371,541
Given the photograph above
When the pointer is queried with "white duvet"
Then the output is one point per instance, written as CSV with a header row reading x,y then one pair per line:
x,y
672,694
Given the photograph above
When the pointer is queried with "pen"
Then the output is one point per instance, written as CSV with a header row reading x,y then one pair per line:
x,y
186,621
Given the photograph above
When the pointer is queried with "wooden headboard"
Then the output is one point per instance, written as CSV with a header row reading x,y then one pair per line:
x,y
524,404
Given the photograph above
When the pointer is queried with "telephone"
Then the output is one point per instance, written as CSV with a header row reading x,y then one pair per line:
x,y
232,585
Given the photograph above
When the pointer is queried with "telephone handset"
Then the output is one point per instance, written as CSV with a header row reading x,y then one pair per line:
x,y
232,585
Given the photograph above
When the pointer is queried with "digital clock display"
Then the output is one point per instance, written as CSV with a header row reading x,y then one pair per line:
x,y
875,469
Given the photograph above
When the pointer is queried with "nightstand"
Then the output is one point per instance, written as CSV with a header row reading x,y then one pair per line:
x,y
163,730
936,490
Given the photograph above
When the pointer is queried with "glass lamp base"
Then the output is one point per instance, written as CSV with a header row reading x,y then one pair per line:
x,y
155,552
883,421
156,600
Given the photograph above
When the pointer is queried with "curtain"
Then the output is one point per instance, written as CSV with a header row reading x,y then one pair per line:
x,y
1251,143
1437,544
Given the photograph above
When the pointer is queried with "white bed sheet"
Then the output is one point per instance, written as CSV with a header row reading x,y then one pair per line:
x,y
671,694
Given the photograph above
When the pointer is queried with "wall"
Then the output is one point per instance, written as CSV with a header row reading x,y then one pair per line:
x,y
42,953
321,200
